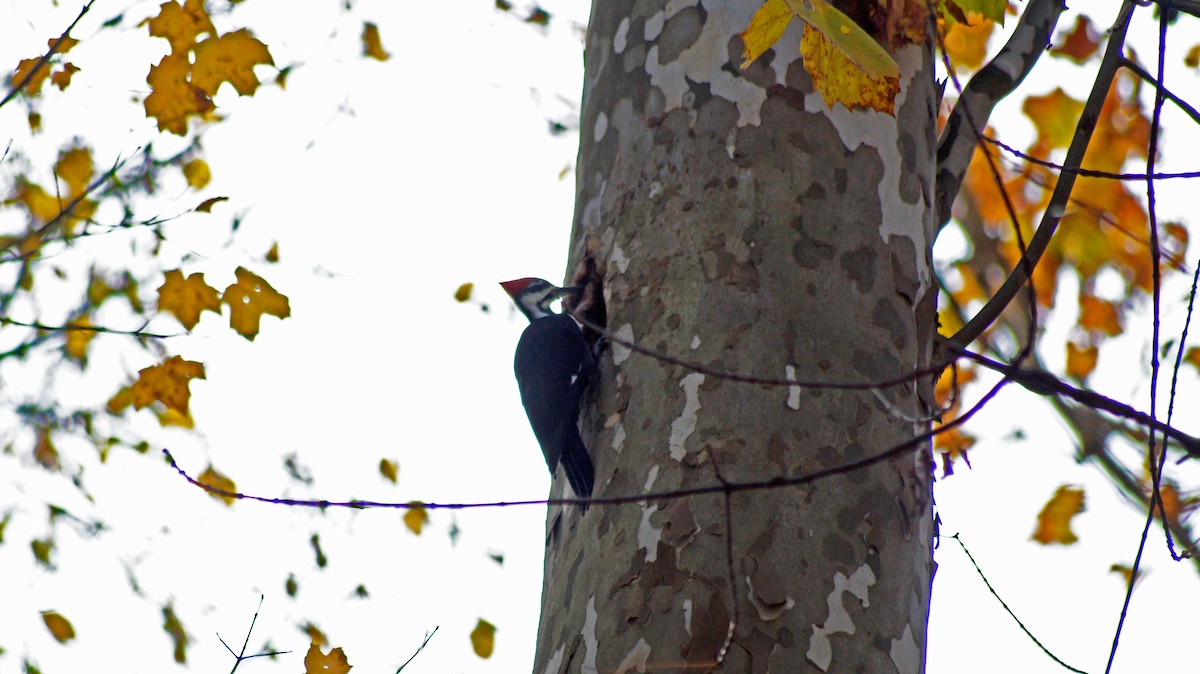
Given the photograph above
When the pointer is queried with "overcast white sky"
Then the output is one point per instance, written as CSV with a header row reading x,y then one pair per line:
x,y
387,185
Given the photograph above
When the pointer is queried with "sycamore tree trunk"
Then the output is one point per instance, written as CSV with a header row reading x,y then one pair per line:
x,y
742,224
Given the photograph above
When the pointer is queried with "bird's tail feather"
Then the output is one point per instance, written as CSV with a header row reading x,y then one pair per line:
x,y
578,467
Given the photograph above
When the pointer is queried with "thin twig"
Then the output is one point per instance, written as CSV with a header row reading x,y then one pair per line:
x,y
17,86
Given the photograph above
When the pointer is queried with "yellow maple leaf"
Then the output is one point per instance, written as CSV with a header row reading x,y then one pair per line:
x,y
78,338
180,25
120,401
249,299
187,298
75,168
173,99
766,27
1055,116
210,477
166,383
169,417
483,638
1054,522
62,78
230,58
60,628
416,517
372,47
41,206
388,469
197,173
64,44
841,80
37,75
1099,315
316,662
464,292
315,635
174,628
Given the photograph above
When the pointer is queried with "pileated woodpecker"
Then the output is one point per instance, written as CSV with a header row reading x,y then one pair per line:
x,y
553,366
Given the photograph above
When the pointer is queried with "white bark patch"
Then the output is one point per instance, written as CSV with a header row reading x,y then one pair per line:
x,y
589,638
767,611
601,127
649,536
820,650
905,654
618,441
620,352
703,61
687,616
555,661
617,256
695,342
881,131
590,220
636,658
793,399
683,427
620,39
654,26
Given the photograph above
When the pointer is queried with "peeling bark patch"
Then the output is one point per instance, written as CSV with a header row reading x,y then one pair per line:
x,y
767,610
618,257
636,658
680,33
589,637
649,536
793,399
601,127
618,441
685,425
554,664
904,653
859,265
620,352
820,650
687,616
619,40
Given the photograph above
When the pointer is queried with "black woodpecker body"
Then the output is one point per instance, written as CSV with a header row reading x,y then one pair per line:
x,y
554,364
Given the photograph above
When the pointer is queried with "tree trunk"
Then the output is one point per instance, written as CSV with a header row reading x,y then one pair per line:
x,y
743,225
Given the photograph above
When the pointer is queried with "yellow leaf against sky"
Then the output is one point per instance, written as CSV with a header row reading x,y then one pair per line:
x,y
173,99
1054,116
249,299
174,628
166,383
212,478
75,168
272,255
372,47
1081,360
78,339
206,205
60,628
316,662
416,517
1054,522
483,638
181,25
840,80
62,78
1099,315
966,45
388,469
230,58
765,29
187,298
197,173
33,86
464,292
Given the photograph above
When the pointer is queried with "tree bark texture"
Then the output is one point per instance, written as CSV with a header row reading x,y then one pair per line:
x,y
742,224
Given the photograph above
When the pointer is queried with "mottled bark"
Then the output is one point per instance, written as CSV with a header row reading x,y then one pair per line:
x,y
742,224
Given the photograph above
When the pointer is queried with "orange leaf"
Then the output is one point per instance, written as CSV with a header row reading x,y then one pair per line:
x,y
210,477
64,44
1193,357
416,517
1054,116
1054,522
966,44
1081,43
249,299
229,58
181,25
483,638
59,627
173,99
371,45
44,451
388,469
120,401
26,66
187,298
1099,315
316,662
197,173
62,78
166,383
1081,360
315,635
